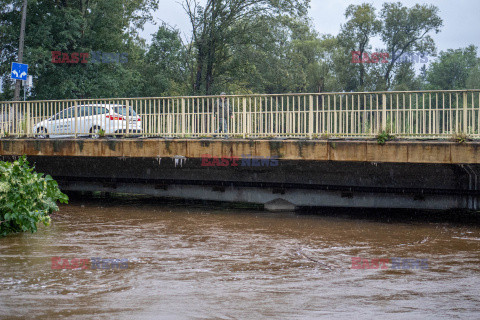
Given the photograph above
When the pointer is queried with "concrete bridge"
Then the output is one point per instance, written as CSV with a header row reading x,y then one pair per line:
x,y
281,174
280,150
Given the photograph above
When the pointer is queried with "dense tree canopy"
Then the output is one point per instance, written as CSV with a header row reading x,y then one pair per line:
x,y
220,25
253,46
453,68
82,26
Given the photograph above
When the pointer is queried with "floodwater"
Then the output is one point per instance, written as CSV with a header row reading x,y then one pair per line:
x,y
194,262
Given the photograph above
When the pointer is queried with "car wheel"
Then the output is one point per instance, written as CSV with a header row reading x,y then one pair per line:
x,y
95,132
42,133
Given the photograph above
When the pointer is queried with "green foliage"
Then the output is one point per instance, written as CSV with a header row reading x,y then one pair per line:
x,y
384,136
460,137
355,35
220,26
401,29
453,68
236,46
26,197
284,55
167,63
407,29
473,81
391,126
76,26
325,136
405,78
367,125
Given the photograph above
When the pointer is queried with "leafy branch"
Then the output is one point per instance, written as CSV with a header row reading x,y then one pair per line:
x,y
26,197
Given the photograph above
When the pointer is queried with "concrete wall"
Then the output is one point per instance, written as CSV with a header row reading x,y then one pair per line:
x,y
334,150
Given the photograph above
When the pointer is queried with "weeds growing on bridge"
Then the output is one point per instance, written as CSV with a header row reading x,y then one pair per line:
x,y
384,136
460,137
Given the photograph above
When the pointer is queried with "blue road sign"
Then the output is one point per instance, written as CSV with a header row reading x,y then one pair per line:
x,y
19,71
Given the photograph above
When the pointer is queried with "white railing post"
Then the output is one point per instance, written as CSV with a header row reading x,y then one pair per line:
x,y
15,119
465,113
310,118
183,118
127,130
244,130
384,112
28,126
76,117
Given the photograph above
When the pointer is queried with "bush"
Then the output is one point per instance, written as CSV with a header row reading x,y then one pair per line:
x,y
26,197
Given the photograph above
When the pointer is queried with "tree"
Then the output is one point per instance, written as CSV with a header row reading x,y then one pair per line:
x,y
356,33
166,64
217,24
77,26
281,54
452,69
405,78
407,29
473,81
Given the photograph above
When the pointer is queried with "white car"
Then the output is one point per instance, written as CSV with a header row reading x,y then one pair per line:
x,y
90,120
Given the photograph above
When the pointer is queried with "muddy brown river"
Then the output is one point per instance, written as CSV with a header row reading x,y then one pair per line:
x,y
146,259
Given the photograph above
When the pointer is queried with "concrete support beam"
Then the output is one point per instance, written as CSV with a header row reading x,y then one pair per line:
x,y
291,200
435,152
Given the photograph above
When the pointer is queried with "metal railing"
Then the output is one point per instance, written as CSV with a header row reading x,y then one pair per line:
x,y
413,114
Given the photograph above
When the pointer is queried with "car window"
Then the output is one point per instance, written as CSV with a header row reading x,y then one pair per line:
x,y
86,111
57,116
67,113
78,111
122,110
99,110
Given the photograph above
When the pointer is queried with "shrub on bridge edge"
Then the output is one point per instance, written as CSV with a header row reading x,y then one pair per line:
x,y
26,197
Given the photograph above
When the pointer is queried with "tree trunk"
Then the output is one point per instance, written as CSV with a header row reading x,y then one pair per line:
x,y
210,64
198,81
211,50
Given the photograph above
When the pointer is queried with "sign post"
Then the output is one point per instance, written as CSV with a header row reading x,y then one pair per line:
x,y
19,72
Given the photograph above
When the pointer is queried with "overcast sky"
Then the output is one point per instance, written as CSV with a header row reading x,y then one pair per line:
x,y
461,19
